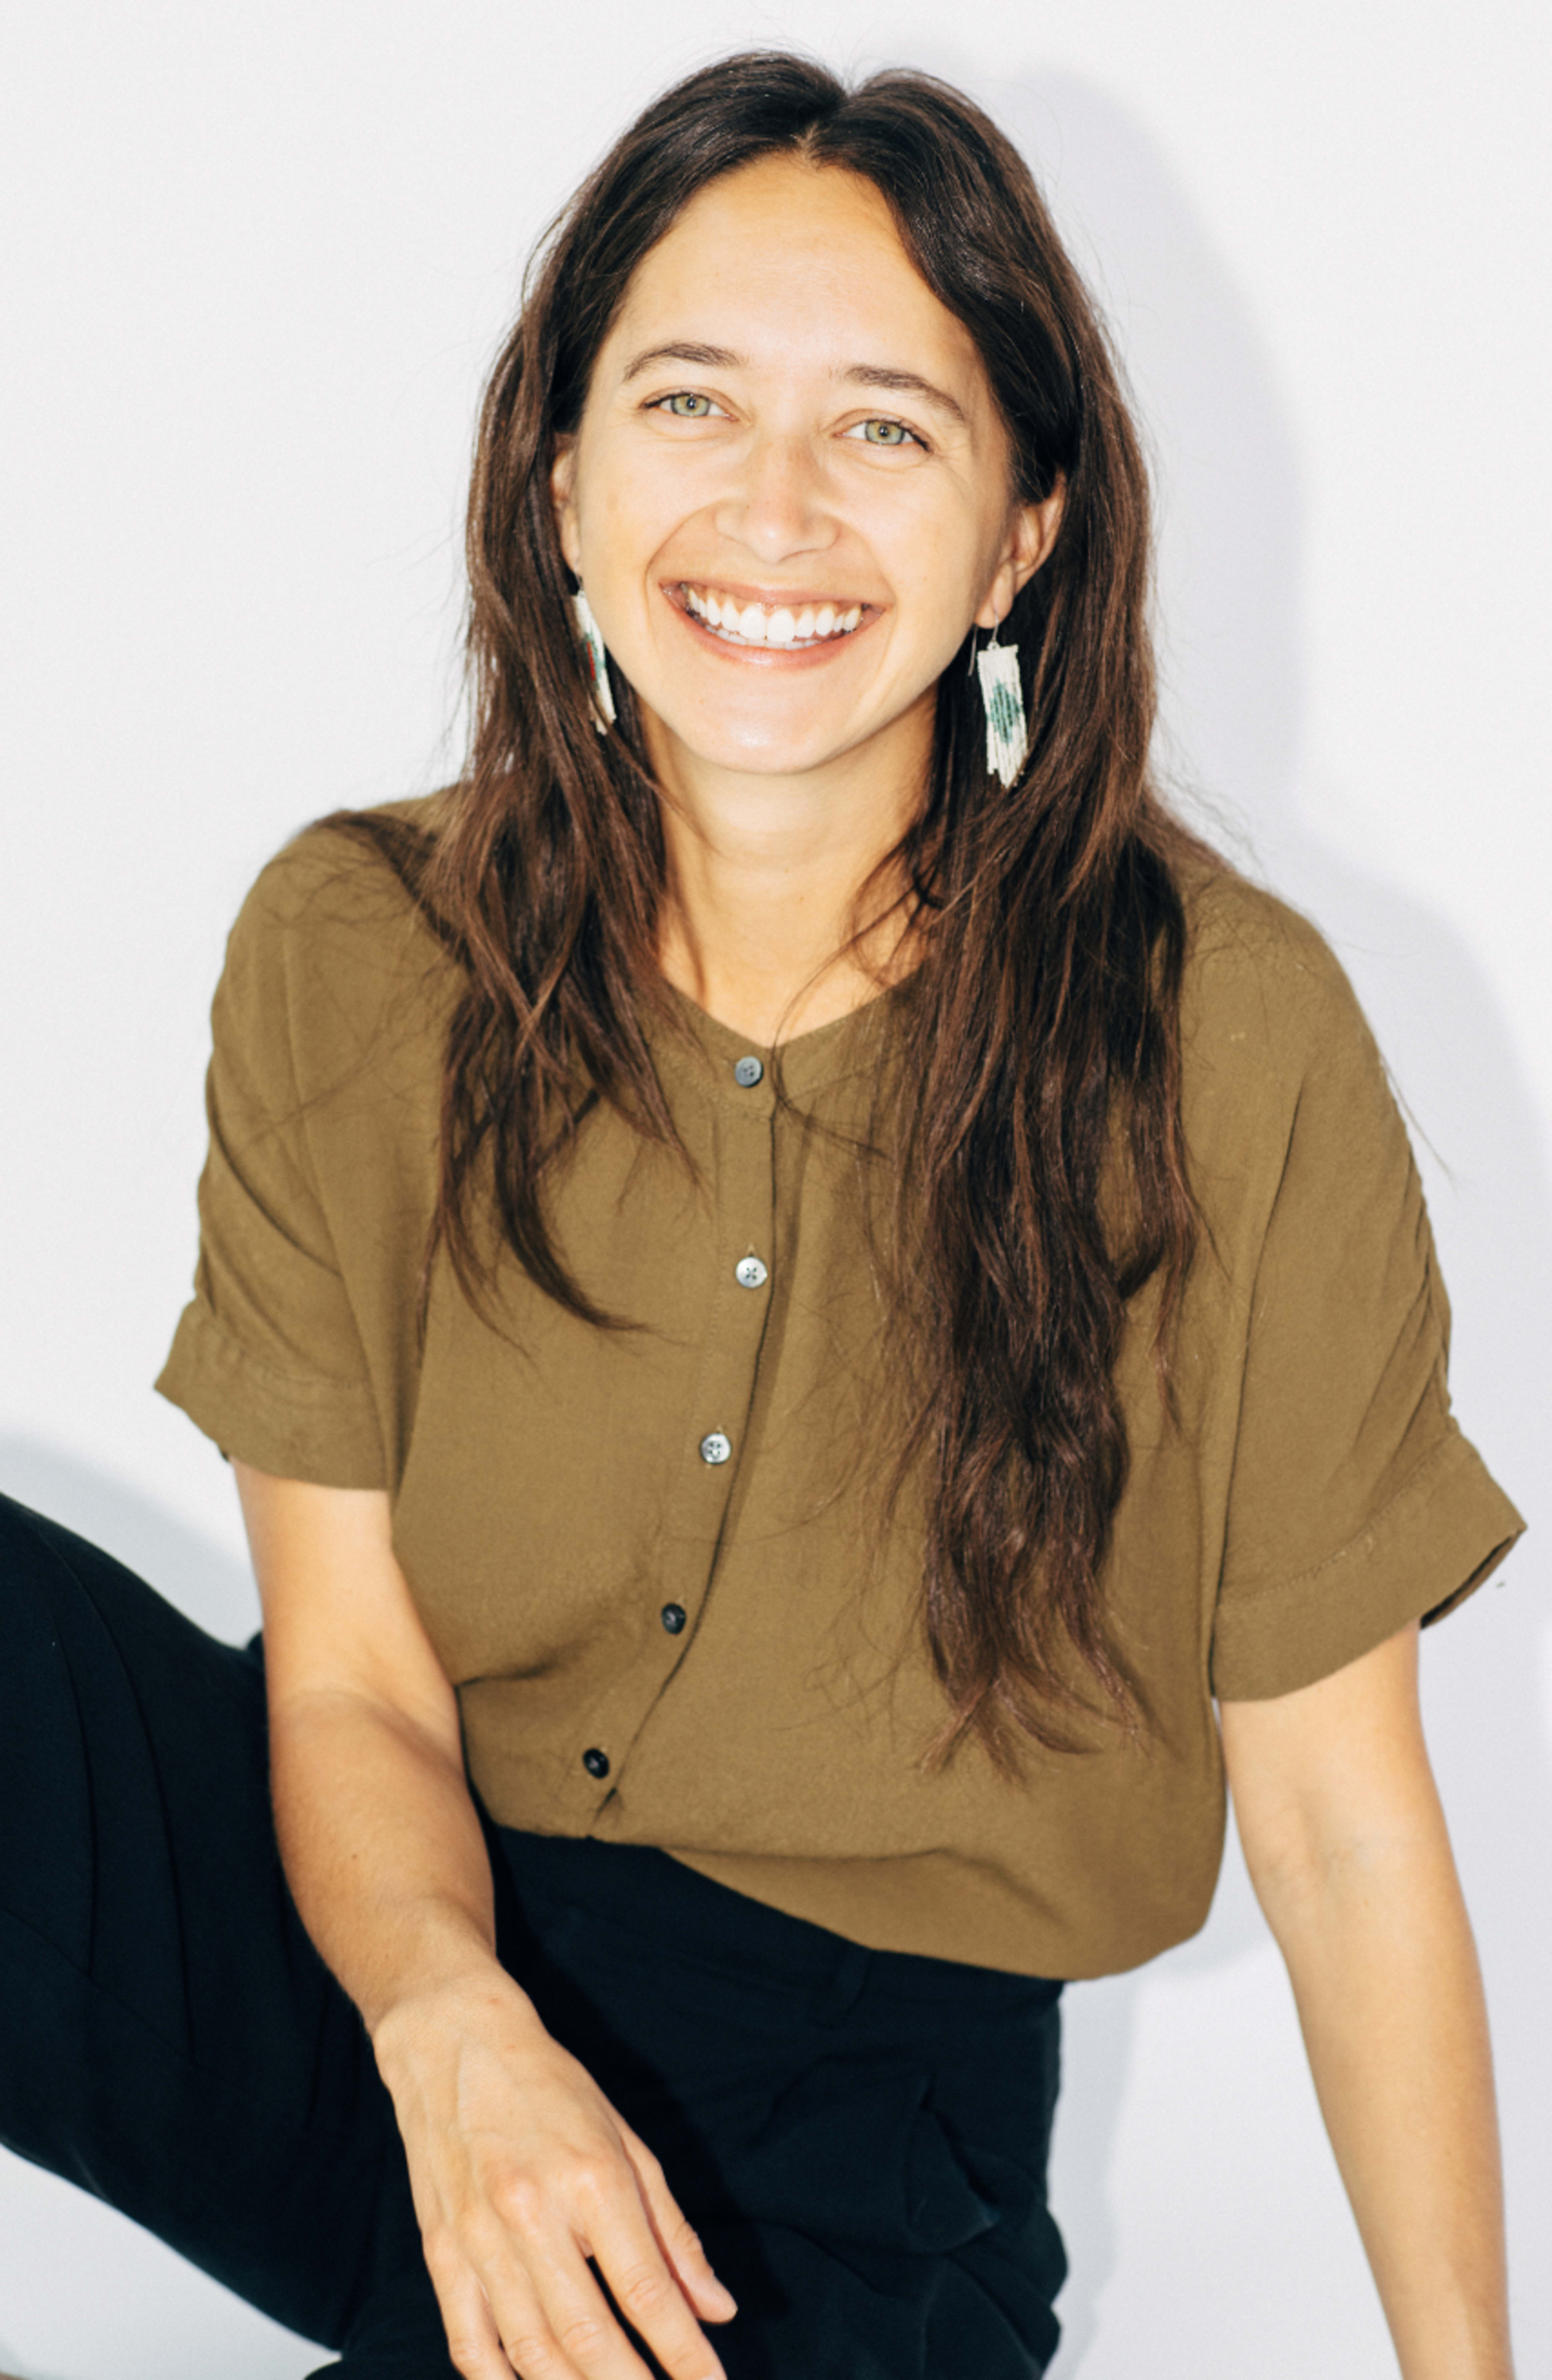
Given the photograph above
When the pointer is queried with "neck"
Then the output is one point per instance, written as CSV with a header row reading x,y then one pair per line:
x,y
763,875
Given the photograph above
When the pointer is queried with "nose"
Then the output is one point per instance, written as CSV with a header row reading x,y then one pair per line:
x,y
776,506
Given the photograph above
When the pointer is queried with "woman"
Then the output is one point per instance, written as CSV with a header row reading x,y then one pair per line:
x,y
795,1280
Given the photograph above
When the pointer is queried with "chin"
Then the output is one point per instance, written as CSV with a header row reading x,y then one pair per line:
x,y
769,756
764,746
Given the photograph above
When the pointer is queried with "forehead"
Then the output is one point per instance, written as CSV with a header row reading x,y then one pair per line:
x,y
785,262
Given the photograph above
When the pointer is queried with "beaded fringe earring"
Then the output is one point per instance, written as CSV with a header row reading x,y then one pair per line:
x,y
597,664
1003,694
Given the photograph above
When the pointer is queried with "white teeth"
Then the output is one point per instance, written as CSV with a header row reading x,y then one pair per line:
x,y
751,624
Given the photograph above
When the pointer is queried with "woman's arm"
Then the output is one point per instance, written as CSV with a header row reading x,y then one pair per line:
x,y
1347,1847
522,2169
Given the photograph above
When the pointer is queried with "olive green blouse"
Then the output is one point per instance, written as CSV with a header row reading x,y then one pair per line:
x,y
652,1560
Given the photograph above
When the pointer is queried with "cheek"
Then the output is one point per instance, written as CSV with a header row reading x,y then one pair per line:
x,y
937,576
624,525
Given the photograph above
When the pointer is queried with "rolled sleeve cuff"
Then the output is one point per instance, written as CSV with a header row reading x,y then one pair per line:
x,y
1441,1535
321,1430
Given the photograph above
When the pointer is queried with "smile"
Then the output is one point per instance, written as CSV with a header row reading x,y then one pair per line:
x,y
794,628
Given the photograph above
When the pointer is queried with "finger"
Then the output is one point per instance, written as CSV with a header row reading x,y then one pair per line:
x,y
556,2323
473,2341
678,2238
647,2289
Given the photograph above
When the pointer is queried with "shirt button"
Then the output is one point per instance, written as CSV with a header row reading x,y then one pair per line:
x,y
673,1618
750,1273
715,1447
747,1072
596,1763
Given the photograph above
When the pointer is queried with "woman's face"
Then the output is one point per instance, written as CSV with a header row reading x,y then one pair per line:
x,y
789,493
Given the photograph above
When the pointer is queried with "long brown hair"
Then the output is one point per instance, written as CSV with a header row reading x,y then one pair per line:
x,y
1042,1037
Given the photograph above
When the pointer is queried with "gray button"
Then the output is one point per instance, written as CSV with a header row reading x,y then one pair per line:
x,y
747,1072
714,1448
750,1273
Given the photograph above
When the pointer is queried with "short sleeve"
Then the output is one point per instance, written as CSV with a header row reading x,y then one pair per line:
x,y
267,1358
1354,1504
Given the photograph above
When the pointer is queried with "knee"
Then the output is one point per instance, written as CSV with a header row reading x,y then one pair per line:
x,y
30,1561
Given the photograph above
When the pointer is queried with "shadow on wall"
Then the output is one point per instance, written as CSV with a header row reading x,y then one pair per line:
x,y
1231,649
202,1579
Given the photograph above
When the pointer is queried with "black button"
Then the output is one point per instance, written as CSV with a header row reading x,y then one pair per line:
x,y
596,1763
673,1616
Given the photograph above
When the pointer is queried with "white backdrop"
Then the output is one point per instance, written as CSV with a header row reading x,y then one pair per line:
x,y
259,259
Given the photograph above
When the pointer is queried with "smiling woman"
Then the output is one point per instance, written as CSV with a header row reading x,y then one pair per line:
x,y
822,1319
783,575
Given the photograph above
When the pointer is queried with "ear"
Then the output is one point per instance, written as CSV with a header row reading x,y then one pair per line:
x,y
1031,532
563,480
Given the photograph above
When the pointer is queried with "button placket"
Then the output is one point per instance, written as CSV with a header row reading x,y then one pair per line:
x,y
744,1194
741,1178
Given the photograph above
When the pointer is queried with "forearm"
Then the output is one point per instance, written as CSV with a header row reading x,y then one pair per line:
x,y
1384,1971
383,1849
378,1832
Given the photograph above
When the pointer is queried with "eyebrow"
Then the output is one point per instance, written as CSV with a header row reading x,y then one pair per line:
x,y
908,384
905,384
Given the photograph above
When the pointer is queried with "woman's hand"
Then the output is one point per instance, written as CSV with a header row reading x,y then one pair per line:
x,y
522,2172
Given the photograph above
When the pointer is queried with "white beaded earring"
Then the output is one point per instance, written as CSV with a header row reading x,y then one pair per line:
x,y
1003,694
597,664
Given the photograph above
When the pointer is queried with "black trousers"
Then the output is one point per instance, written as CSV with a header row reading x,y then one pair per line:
x,y
859,2137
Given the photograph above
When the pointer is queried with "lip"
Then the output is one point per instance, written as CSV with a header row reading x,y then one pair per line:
x,y
769,656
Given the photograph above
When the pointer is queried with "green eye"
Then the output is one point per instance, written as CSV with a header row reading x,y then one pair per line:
x,y
884,433
688,405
